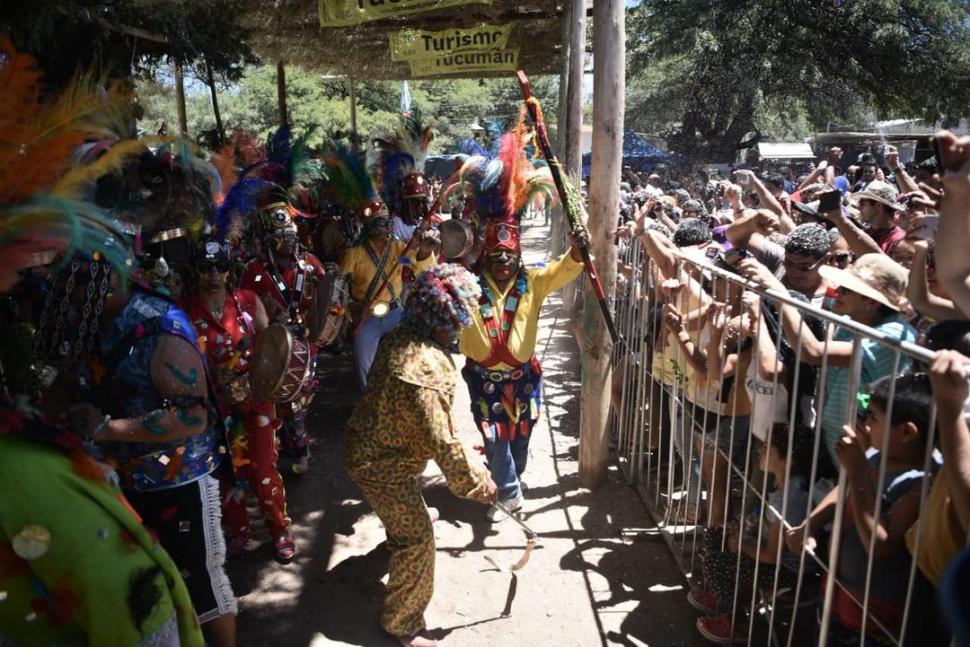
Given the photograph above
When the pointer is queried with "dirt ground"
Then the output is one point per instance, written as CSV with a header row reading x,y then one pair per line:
x,y
584,586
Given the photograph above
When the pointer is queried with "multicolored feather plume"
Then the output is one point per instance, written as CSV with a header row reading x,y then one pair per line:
x,y
42,205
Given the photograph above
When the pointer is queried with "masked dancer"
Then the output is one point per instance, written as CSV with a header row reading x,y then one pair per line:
x,y
227,320
402,421
503,374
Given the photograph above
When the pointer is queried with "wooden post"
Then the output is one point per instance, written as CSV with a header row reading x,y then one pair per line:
x,y
215,102
558,228
572,150
354,138
574,103
608,98
281,92
180,100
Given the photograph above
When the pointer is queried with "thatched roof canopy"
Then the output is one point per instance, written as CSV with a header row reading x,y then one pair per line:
x,y
290,31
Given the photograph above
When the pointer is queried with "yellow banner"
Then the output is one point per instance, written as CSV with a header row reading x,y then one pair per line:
x,y
506,60
415,44
338,13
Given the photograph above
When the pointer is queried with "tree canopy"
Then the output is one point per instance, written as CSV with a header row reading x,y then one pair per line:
x,y
312,99
122,38
710,71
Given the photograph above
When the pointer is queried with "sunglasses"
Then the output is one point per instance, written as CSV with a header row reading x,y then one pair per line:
x,y
840,258
205,268
803,267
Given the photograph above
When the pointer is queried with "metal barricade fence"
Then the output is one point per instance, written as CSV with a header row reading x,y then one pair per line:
x,y
686,429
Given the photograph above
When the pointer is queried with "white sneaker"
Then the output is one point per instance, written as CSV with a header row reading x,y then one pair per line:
x,y
496,514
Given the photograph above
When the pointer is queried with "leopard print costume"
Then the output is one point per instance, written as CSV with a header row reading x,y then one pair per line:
x,y
402,421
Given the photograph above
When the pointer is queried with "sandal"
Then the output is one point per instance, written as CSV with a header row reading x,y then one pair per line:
x,y
284,547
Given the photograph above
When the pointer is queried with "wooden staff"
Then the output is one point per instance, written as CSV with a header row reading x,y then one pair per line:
x,y
569,204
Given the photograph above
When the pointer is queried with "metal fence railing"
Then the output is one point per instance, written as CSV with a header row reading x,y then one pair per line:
x,y
694,416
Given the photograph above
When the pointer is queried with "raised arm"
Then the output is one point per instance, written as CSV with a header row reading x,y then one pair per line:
x,y
860,243
948,377
952,260
919,295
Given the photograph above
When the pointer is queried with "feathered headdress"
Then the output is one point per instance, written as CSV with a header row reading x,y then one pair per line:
x,y
397,160
279,173
498,190
350,184
44,208
241,152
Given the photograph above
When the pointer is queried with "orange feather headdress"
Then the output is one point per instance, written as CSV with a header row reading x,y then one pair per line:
x,y
43,205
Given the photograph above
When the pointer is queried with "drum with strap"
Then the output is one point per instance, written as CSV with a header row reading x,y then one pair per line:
x,y
282,365
328,310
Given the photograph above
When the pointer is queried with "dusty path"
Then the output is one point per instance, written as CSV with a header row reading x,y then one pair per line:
x,y
585,586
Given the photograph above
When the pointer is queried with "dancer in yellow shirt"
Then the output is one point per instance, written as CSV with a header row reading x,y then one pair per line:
x,y
503,375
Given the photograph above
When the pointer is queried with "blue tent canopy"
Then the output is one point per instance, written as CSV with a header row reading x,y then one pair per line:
x,y
638,154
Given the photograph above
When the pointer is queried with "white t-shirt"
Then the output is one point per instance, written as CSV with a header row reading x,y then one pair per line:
x,y
769,406
400,230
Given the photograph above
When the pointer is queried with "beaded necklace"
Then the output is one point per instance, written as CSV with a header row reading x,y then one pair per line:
x,y
498,329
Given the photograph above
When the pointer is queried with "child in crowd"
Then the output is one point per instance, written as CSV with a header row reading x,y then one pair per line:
x,y
899,429
946,511
759,550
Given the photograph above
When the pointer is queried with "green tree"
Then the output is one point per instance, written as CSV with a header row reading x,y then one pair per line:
x,y
123,38
709,71
250,103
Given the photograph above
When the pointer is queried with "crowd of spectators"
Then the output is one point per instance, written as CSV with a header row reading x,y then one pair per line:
x,y
774,311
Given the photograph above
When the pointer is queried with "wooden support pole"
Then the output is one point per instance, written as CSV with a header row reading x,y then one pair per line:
x,y
210,79
180,100
559,225
281,93
354,137
608,97
573,152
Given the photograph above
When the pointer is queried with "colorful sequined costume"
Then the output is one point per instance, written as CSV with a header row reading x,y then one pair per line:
x,y
290,290
228,344
503,375
402,421
75,559
170,484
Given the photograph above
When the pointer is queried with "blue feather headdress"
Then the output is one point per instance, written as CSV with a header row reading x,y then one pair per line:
x,y
397,155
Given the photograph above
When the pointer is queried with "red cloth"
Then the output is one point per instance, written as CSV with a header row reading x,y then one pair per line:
x,y
254,452
258,278
255,457
887,239
226,342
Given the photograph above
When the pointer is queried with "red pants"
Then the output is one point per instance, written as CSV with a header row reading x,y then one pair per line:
x,y
254,457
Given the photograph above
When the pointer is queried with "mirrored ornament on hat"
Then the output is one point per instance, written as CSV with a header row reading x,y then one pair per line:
x,y
502,236
414,186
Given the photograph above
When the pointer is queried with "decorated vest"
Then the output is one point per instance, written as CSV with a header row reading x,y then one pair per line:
x,y
504,403
125,390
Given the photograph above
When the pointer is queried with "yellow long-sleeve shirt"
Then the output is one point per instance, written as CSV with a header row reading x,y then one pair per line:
x,y
522,335
358,265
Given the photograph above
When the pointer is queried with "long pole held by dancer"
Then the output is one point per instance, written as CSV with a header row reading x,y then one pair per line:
x,y
568,200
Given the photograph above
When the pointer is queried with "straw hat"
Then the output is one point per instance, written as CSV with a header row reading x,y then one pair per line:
x,y
882,192
874,276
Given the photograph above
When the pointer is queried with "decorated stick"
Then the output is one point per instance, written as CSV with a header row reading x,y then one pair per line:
x,y
567,197
429,217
